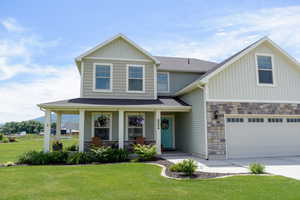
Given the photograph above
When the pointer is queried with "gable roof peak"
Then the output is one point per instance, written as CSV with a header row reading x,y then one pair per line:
x,y
117,36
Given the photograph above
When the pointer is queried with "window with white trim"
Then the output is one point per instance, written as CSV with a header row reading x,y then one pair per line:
x,y
162,81
103,77
135,126
102,125
135,78
265,69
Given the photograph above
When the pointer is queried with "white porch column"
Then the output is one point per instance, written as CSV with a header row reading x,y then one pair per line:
x,y
47,130
121,129
81,130
58,125
158,132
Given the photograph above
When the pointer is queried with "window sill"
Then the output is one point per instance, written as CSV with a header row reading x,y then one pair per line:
x,y
141,92
108,91
266,85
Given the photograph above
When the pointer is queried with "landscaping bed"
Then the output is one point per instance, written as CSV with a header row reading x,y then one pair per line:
x,y
196,175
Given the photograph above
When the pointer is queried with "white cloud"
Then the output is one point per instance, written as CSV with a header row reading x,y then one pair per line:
x,y
11,25
19,99
234,32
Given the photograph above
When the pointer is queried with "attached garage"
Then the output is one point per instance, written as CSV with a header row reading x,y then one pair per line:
x,y
262,136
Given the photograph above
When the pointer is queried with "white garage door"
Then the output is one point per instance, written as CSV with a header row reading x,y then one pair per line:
x,y
257,136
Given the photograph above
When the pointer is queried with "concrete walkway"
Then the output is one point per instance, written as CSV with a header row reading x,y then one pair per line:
x,y
283,166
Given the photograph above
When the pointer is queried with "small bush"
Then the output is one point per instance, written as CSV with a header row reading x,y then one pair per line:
x,y
57,157
257,168
107,154
41,158
145,152
1,136
79,158
188,167
73,147
34,158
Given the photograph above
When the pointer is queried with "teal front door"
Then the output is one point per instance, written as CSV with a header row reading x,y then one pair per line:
x,y
167,132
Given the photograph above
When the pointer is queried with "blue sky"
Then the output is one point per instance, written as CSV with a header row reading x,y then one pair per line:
x,y
39,39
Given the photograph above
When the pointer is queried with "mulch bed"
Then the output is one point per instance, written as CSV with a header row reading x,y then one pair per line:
x,y
197,175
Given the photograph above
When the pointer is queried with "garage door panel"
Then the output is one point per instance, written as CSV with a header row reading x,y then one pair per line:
x,y
262,139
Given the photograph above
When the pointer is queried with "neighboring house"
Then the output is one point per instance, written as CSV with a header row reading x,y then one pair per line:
x,y
245,106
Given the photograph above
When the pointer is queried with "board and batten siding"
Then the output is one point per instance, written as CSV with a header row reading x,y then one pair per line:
x,y
190,127
119,83
179,80
239,80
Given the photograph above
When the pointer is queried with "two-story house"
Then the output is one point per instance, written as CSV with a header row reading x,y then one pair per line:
x,y
246,106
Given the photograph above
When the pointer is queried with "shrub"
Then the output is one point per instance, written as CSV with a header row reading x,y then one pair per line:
x,y
257,168
57,157
34,158
107,154
73,147
41,158
79,158
145,152
188,167
1,137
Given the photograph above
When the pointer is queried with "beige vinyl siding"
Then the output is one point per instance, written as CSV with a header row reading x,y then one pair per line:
x,y
179,80
119,84
119,48
239,80
190,127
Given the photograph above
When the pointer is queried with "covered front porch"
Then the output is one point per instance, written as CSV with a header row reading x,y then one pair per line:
x,y
120,126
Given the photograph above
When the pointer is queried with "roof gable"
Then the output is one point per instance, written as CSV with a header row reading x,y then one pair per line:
x,y
126,48
227,62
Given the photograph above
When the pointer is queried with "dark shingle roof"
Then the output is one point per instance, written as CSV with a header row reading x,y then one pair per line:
x,y
184,64
161,101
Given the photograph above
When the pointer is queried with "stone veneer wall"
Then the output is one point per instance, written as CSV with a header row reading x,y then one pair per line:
x,y
216,127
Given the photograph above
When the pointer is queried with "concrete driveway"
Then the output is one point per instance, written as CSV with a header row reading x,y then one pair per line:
x,y
283,166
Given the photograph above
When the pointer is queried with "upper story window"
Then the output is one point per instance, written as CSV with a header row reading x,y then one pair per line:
x,y
102,77
265,69
136,78
163,82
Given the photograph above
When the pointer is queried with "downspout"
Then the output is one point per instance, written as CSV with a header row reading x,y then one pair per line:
x,y
204,89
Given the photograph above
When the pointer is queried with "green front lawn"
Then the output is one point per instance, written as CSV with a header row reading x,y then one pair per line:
x,y
134,181
11,151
